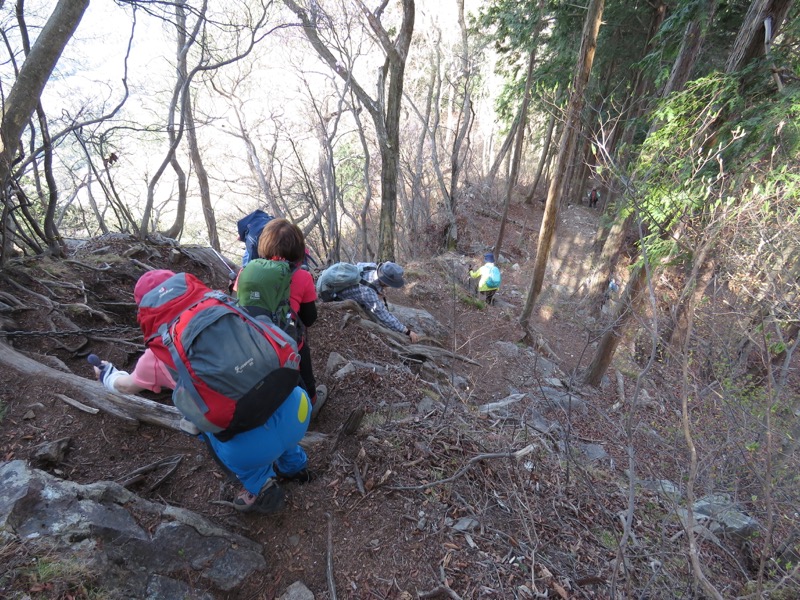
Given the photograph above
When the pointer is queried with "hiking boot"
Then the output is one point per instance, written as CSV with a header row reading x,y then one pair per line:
x,y
270,500
322,396
302,476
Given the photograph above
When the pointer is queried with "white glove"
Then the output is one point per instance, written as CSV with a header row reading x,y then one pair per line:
x,y
109,374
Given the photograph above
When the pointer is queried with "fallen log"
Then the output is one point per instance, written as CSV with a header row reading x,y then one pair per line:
x,y
130,409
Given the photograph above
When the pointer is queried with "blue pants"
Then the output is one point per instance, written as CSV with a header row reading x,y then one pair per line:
x,y
249,455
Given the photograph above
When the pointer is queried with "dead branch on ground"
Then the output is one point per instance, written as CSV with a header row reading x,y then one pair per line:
x,y
475,459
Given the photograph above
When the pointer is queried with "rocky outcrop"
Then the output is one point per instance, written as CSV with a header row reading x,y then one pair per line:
x,y
136,548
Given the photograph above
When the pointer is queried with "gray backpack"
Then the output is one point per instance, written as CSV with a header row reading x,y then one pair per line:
x,y
339,277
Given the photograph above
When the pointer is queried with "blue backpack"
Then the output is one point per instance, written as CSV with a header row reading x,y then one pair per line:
x,y
494,279
250,228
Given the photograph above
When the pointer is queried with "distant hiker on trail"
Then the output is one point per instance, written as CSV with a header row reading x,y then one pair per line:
x,y
257,441
365,284
490,278
594,197
283,241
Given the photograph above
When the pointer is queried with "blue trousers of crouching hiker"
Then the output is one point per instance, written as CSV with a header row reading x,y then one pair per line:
x,y
251,454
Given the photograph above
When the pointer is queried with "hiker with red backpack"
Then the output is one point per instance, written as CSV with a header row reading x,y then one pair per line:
x,y
489,278
260,286
234,379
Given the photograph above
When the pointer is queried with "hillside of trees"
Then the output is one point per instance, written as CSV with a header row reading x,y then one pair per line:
x,y
429,133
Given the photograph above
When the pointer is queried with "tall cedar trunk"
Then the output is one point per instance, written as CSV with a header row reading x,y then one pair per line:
x,y
693,38
571,125
520,138
749,42
21,101
613,244
675,333
548,137
612,336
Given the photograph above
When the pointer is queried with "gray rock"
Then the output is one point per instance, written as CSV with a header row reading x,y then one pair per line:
x,y
420,321
97,521
561,400
52,453
345,371
426,405
664,487
508,349
335,362
500,404
165,588
543,367
297,591
725,516
594,452
543,425
466,524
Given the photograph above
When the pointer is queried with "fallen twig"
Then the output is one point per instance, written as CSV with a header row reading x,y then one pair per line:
x,y
516,454
139,263
359,480
105,266
329,569
138,474
89,409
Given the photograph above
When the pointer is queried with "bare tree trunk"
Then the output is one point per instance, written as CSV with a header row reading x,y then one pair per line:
x,y
571,124
416,180
501,155
520,138
613,334
548,137
386,118
21,101
202,174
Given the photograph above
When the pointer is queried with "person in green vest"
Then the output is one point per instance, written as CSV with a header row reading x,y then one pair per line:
x,y
488,278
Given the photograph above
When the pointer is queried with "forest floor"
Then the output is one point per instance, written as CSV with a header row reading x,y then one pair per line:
x,y
544,526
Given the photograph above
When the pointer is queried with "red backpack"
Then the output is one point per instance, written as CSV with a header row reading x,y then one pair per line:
x,y
232,371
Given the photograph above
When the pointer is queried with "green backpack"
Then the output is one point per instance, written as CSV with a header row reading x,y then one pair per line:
x,y
263,289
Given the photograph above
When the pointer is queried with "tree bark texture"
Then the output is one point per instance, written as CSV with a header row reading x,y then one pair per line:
x,y
516,158
548,138
385,117
571,126
750,42
613,334
465,118
33,76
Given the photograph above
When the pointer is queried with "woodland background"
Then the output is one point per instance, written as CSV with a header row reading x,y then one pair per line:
x,y
372,126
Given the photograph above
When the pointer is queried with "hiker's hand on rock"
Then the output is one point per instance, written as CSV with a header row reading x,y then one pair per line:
x,y
414,337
